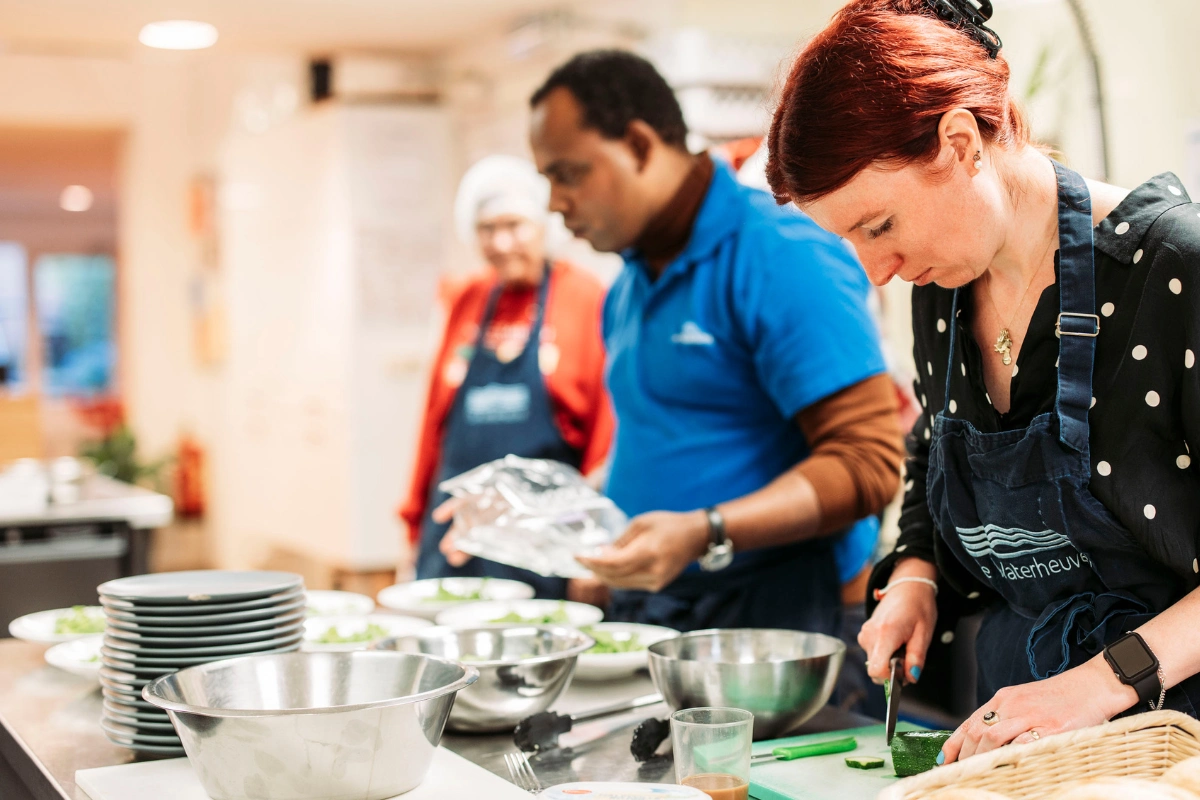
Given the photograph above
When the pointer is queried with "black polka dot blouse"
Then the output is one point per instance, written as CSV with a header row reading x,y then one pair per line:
x,y
1146,385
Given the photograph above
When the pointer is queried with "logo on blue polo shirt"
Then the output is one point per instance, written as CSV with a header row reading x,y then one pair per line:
x,y
691,333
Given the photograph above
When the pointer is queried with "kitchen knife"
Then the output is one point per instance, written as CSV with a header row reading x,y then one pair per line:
x,y
843,745
895,682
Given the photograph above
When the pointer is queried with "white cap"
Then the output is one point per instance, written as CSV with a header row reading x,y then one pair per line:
x,y
497,186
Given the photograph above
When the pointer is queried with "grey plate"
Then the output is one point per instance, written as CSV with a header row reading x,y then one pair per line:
x,y
142,725
149,657
193,609
133,629
204,619
200,586
135,733
122,636
135,651
125,700
142,669
119,708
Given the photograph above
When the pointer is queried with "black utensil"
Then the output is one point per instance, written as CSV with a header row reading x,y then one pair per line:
x,y
541,731
648,737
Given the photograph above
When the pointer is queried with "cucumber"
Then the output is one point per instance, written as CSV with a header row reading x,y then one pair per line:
x,y
864,762
914,752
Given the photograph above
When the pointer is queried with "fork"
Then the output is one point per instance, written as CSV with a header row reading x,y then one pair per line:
x,y
522,772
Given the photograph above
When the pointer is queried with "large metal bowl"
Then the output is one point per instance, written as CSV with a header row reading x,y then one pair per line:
x,y
303,726
782,677
522,670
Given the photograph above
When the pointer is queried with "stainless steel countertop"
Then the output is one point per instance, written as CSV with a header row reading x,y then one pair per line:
x,y
49,728
103,499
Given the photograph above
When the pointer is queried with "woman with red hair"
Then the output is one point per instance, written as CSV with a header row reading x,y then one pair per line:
x,y
1049,480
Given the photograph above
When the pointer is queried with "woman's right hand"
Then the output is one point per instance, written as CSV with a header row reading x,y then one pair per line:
x,y
449,511
905,617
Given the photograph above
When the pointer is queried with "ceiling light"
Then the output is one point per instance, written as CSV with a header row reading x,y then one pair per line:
x,y
178,34
75,198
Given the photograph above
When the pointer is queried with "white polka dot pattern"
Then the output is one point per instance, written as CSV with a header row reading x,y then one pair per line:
x,y
1107,309
1152,399
1104,469
1121,229
1150,511
1140,352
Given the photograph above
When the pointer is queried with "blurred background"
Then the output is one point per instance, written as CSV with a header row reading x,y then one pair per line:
x,y
219,267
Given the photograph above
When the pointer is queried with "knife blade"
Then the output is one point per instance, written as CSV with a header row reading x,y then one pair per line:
x,y
895,683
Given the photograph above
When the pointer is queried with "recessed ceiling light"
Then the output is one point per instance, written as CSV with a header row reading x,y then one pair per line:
x,y
178,34
75,198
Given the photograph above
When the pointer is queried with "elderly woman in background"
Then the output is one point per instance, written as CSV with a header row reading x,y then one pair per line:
x,y
520,366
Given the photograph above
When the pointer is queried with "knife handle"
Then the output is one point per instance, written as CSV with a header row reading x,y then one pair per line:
x,y
843,745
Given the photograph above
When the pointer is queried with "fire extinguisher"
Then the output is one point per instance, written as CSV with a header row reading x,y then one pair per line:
x,y
189,479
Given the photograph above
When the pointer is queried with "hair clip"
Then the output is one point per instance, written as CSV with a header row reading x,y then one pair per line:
x,y
970,16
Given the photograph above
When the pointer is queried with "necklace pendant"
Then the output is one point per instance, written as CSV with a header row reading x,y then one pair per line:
x,y
1003,346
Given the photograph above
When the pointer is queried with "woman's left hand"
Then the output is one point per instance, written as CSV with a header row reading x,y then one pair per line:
x,y
654,549
1078,698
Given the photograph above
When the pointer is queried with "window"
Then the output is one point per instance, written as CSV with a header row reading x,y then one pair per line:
x,y
14,316
75,298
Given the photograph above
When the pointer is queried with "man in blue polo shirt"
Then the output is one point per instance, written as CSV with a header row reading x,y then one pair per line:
x,y
755,422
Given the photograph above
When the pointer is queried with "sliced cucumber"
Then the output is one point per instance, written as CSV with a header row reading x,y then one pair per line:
x,y
914,752
864,762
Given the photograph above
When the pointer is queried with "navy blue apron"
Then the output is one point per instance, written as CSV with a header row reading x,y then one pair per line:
x,y
794,587
1015,509
500,409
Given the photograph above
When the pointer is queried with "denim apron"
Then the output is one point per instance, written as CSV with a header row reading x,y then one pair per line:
x,y
794,587
500,409
1015,509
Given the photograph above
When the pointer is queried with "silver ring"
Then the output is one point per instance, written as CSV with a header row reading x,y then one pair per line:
x,y
1035,735
991,718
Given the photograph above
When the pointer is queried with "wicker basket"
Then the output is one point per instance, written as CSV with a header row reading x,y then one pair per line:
x,y
1142,746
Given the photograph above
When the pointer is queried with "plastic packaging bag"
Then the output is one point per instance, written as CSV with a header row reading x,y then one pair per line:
x,y
533,514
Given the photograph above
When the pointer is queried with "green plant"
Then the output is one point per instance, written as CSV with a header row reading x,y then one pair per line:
x,y
116,456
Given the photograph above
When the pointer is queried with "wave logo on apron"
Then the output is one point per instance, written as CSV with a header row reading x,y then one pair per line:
x,y
1000,545
497,403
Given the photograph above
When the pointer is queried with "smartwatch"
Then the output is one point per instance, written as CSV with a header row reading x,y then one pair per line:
x,y
720,549
1136,665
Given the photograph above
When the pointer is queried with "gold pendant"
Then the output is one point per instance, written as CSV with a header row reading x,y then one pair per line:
x,y
1003,346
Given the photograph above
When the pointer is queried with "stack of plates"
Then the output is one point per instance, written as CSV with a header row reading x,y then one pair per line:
x,y
157,624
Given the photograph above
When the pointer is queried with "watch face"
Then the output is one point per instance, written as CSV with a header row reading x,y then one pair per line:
x,y
718,557
1130,656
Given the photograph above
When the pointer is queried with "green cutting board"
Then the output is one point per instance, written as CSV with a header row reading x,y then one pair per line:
x,y
825,777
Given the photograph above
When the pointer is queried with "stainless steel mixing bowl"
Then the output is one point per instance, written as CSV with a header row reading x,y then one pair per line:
x,y
782,677
302,726
522,669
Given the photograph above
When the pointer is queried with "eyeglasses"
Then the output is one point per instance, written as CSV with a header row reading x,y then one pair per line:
x,y
514,230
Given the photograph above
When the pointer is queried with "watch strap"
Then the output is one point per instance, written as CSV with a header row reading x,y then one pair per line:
x,y
1148,688
716,527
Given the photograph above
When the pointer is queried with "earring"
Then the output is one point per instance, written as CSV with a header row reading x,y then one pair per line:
x,y
978,160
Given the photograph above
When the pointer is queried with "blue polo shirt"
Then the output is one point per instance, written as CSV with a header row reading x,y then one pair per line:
x,y
762,315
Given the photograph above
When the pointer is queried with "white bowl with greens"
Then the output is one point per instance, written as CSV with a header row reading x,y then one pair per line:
x,y
620,649
343,634
79,657
522,612
428,598
325,603
58,625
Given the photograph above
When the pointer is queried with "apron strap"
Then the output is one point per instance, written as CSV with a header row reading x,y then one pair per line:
x,y
1078,324
535,330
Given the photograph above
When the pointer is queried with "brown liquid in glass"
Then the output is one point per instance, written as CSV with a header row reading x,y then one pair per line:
x,y
719,786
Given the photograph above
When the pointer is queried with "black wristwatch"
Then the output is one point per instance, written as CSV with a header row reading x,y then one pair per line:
x,y
1136,665
720,549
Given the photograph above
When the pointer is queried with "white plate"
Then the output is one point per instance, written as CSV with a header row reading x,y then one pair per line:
x,y
616,666
80,657
416,598
339,604
39,627
392,625
488,613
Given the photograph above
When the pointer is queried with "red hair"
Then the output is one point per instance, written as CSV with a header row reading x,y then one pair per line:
x,y
872,87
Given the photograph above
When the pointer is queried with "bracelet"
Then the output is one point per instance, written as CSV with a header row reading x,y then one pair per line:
x,y
879,593
1162,694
